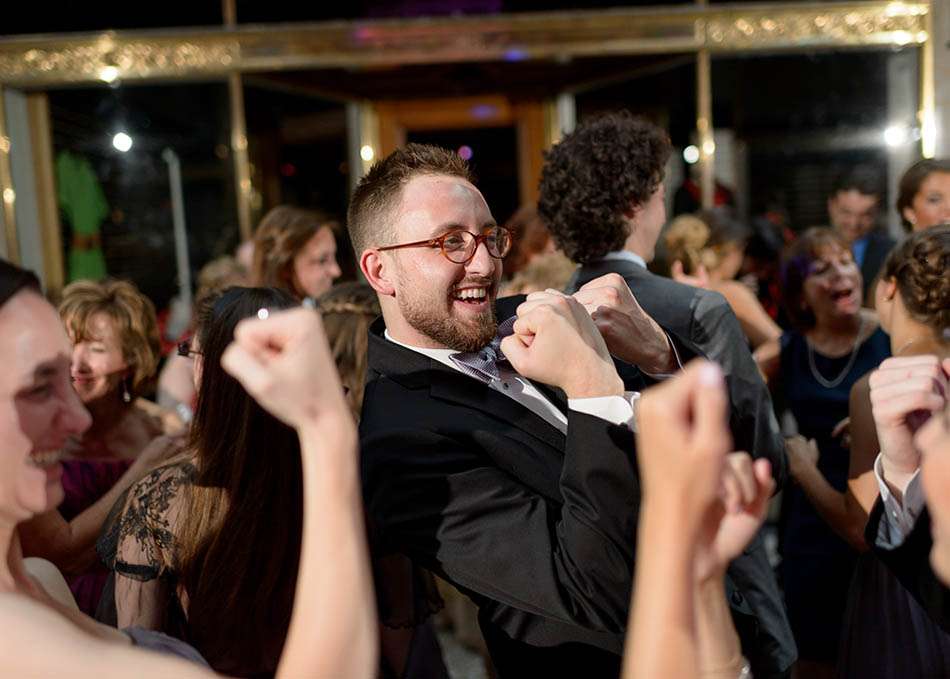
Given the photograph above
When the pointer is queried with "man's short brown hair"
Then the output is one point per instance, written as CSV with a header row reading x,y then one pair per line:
x,y
377,193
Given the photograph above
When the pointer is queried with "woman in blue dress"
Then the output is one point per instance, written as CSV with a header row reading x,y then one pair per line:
x,y
833,344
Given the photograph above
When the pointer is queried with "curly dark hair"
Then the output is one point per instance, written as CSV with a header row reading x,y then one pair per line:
x,y
920,265
599,172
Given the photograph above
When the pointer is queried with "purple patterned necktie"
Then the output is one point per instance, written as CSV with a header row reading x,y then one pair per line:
x,y
483,364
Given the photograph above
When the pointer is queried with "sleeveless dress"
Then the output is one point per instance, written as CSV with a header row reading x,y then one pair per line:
x,y
817,565
84,482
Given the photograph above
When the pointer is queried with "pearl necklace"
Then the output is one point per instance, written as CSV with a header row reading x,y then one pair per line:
x,y
832,383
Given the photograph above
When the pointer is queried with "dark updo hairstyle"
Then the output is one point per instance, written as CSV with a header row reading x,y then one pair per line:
x,y
911,181
13,279
797,265
921,267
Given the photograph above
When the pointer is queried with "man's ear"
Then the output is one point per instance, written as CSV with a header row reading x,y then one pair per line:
x,y
377,272
632,211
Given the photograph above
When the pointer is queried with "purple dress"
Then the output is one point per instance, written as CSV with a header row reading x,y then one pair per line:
x,y
84,482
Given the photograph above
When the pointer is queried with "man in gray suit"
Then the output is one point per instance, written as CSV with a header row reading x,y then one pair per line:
x,y
602,197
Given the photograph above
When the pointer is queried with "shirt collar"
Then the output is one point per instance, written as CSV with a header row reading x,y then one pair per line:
x,y
440,355
625,255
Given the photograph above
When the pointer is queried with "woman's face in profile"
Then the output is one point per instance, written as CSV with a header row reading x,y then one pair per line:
x,y
39,410
98,366
315,267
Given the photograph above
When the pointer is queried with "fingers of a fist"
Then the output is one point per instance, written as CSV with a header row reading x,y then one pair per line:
x,y
892,405
740,465
246,368
896,370
610,280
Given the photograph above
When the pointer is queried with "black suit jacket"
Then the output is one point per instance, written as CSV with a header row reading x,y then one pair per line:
x,y
704,323
537,527
910,562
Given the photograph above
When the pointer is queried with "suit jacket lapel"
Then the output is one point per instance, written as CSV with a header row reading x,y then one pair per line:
x,y
449,385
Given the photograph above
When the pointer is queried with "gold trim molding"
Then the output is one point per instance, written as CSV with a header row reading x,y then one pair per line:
x,y
43,61
895,23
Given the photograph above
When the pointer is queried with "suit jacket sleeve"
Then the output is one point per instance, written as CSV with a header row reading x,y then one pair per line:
x,y
910,563
752,419
445,504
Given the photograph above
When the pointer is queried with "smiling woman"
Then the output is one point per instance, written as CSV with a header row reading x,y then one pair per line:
x,y
115,351
833,344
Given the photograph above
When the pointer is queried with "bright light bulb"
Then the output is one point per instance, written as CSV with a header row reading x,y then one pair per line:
x,y
108,74
691,154
367,153
896,135
709,147
122,142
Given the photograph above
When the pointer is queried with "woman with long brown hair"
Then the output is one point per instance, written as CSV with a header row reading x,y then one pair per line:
x,y
205,549
295,250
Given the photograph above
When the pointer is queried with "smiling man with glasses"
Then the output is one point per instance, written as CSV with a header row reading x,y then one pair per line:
x,y
498,455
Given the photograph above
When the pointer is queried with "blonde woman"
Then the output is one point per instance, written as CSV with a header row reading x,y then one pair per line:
x,y
707,252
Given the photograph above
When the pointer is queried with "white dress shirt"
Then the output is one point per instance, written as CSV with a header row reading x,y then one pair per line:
x,y
625,255
899,517
615,409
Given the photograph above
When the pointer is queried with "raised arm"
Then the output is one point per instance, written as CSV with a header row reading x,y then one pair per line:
x,y
680,625
757,325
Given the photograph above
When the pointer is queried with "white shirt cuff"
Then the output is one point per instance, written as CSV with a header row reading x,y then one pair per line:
x,y
900,516
617,410
676,355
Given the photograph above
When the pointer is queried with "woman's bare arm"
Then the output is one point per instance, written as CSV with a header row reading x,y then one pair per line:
x,y
757,325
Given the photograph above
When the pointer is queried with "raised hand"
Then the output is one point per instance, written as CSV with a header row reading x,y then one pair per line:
x,y
630,333
732,522
905,391
556,342
284,362
682,444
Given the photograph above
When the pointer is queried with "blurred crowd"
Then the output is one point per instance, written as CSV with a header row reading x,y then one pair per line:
x,y
588,441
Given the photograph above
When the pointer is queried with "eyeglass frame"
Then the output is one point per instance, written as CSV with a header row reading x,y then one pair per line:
x,y
440,242
185,350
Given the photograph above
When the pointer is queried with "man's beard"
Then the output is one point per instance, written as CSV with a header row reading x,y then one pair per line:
x,y
448,331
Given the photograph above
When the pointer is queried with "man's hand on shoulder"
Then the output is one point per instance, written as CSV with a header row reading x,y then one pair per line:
x,y
629,331
556,342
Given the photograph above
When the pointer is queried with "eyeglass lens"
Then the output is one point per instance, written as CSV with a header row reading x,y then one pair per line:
x,y
460,245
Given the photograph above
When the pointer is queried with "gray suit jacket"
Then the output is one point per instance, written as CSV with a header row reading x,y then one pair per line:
x,y
703,322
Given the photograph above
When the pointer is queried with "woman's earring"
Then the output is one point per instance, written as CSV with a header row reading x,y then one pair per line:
x,y
126,396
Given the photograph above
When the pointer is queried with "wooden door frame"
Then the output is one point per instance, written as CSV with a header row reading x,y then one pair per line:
x,y
397,118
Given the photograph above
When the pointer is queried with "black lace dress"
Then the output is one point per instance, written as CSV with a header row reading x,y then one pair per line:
x,y
138,543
